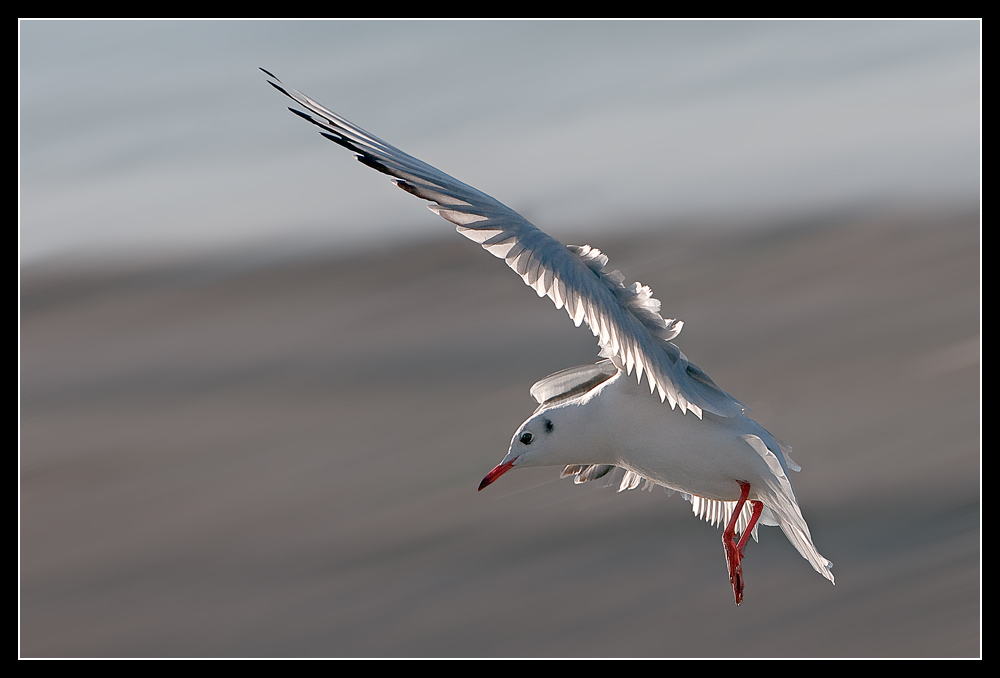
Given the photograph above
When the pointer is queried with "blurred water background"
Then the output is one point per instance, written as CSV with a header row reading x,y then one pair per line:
x,y
259,385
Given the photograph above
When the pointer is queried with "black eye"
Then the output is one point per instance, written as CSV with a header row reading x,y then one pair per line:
x,y
526,438
548,426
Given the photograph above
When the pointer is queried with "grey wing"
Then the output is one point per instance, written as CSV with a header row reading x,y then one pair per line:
x,y
626,319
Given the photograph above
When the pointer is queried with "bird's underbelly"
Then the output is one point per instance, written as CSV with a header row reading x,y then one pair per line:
x,y
701,457
722,486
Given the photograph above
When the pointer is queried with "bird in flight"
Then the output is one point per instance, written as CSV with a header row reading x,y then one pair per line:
x,y
678,430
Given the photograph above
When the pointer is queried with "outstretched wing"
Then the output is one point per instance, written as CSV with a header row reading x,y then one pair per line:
x,y
626,319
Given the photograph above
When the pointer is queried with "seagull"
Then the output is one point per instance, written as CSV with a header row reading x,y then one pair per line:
x,y
594,419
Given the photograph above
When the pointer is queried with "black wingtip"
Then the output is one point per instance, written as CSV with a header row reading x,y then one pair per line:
x,y
408,187
342,141
280,89
369,160
270,74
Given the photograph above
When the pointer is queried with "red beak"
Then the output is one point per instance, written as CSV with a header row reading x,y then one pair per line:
x,y
498,471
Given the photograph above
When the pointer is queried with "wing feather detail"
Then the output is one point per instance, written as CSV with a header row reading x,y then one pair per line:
x,y
717,513
625,319
712,511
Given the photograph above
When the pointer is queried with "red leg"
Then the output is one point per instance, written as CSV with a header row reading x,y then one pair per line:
x,y
758,507
734,550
